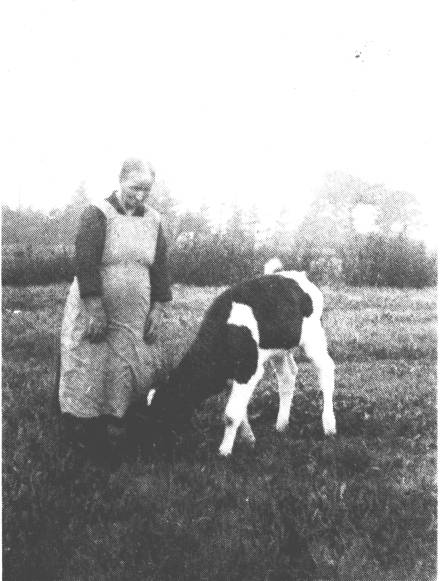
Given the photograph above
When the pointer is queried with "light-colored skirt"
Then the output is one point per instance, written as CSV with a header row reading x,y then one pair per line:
x,y
104,378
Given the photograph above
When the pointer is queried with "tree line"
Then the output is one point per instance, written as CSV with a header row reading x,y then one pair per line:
x,y
354,233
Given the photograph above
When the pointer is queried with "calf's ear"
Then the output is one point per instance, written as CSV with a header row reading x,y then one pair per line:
x,y
242,353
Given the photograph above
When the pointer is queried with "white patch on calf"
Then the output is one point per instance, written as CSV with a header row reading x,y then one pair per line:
x,y
286,371
309,288
314,343
150,396
236,412
236,408
272,266
243,316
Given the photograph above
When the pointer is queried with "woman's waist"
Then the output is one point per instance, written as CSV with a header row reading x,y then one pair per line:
x,y
117,263
124,277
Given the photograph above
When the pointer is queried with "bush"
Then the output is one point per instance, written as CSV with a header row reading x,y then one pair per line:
x,y
217,259
39,270
378,260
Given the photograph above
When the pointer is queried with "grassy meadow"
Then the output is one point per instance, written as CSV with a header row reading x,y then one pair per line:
x,y
360,506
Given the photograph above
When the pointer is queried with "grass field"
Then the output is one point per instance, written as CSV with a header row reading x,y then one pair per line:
x,y
361,506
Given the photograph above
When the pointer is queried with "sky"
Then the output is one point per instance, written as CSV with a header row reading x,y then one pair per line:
x,y
232,101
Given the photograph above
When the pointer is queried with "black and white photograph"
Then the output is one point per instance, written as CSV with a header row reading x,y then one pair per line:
x,y
219,290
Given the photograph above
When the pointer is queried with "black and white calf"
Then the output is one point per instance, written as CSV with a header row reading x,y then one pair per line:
x,y
248,324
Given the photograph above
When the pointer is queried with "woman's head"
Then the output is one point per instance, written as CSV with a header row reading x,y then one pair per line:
x,y
136,179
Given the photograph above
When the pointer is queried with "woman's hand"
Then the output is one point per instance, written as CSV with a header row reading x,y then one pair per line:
x,y
97,328
153,323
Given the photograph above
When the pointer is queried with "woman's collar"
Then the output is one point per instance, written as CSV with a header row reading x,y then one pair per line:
x,y
115,201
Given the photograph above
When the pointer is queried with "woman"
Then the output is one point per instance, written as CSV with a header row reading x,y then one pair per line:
x,y
114,308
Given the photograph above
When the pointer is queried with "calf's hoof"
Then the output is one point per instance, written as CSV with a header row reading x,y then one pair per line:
x,y
329,425
224,452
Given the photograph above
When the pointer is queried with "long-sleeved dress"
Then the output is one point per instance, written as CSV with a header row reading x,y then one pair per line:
x,y
121,258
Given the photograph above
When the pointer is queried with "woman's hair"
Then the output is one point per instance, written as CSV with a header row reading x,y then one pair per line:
x,y
134,164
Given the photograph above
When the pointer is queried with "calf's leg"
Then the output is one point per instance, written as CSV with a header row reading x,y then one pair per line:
x,y
246,431
286,371
236,411
315,346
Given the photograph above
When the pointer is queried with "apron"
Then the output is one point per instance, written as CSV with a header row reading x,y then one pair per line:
x,y
103,378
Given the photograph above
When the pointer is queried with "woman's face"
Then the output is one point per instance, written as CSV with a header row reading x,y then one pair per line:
x,y
135,188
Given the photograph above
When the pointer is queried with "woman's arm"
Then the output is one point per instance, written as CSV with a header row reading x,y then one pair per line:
x,y
160,288
159,275
89,248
